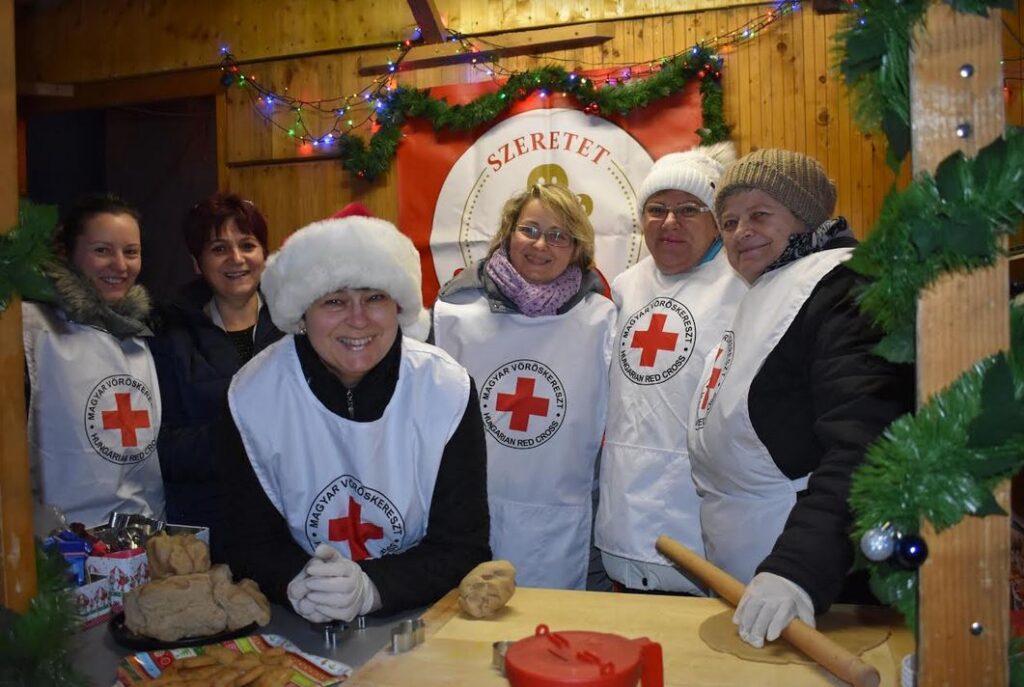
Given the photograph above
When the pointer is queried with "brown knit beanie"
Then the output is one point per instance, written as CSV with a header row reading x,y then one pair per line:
x,y
795,180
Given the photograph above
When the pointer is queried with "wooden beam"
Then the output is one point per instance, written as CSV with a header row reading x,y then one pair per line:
x,y
429,20
130,91
498,45
46,90
17,548
829,6
964,584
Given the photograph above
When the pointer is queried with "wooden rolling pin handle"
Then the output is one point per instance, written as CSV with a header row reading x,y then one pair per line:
x,y
802,636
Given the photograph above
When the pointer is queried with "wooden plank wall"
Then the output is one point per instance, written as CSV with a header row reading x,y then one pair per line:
x,y
17,564
117,38
1013,96
780,89
779,92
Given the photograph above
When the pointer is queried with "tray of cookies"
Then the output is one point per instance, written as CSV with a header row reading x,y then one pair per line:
x,y
256,661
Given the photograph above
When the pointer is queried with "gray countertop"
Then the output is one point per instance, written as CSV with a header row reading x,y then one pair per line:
x,y
96,655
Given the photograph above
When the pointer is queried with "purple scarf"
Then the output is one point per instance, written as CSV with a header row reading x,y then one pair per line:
x,y
533,299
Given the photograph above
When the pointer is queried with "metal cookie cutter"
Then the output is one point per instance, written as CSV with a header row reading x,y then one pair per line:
x,y
407,635
498,657
330,632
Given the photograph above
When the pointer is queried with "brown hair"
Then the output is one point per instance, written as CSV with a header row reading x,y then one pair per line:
x,y
562,201
73,221
207,218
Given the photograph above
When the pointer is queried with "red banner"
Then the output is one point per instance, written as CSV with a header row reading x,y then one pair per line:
x,y
451,186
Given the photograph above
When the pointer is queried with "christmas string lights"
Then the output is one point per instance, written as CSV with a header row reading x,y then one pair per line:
x,y
383,105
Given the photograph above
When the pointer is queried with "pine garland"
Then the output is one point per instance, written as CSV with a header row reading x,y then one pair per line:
x,y
942,463
22,250
35,647
874,49
951,221
371,160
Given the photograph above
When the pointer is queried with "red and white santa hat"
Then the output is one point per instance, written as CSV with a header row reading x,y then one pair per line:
x,y
352,249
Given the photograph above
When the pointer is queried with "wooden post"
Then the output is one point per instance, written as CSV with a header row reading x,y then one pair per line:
x,y
17,549
956,82
429,20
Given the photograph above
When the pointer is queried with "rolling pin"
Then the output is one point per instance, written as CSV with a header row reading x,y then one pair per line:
x,y
832,657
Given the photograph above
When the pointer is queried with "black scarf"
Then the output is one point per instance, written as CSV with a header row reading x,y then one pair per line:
x,y
808,242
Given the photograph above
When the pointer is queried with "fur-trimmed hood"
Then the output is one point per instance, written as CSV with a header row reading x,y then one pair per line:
x,y
83,304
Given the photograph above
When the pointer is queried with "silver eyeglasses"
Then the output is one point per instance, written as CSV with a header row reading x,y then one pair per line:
x,y
559,238
685,211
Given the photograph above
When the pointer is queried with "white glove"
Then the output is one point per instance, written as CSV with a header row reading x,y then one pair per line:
x,y
768,606
337,587
297,591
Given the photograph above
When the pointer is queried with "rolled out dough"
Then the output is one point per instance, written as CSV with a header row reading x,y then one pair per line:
x,y
855,628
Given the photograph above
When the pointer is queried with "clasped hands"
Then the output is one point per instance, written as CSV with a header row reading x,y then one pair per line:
x,y
331,587
767,607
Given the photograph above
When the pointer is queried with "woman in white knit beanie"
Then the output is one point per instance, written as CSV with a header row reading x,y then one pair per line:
x,y
673,307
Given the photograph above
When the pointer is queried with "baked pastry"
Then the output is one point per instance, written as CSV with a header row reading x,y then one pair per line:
x,y
180,554
194,604
174,607
244,603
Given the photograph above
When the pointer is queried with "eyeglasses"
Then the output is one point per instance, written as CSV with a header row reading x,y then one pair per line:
x,y
687,211
558,238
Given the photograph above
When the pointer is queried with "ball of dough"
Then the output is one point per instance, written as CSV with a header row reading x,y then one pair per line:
x,y
487,588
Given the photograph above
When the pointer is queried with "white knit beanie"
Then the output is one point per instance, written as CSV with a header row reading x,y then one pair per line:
x,y
695,171
349,250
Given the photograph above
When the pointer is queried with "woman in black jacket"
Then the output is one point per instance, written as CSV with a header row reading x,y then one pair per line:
x,y
791,397
213,327
353,459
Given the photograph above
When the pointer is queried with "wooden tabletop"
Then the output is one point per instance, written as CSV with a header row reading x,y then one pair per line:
x,y
458,649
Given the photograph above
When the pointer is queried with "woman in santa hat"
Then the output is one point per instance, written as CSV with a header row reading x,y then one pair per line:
x,y
354,460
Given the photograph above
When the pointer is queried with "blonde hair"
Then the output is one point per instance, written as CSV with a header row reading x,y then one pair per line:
x,y
562,201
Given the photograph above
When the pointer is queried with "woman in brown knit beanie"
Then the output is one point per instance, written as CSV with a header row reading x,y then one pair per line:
x,y
790,399
787,201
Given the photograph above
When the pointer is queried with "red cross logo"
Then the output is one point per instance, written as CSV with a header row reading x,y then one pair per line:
x,y
653,340
523,404
351,529
126,420
716,375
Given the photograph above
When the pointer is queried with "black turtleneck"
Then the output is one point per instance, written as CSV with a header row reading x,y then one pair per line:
x,y
257,543
368,398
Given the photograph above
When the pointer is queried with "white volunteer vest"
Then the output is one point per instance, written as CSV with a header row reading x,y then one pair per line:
x,y
666,325
745,498
364,488
543,387
93,419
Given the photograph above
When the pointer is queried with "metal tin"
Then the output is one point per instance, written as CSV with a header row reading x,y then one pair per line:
x,y
498,655
407,635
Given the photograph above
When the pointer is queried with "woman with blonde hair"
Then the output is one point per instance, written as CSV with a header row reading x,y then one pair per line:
x,y
531,324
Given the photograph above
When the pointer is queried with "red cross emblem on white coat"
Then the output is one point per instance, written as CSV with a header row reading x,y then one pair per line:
x,y
716,375
126,419
353,530
654,339
523,404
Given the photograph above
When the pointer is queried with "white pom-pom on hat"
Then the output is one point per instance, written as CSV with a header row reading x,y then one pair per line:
x,y
352,250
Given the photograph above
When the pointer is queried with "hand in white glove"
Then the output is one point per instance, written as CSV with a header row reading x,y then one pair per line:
x,y
768,606
297,591
337,587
